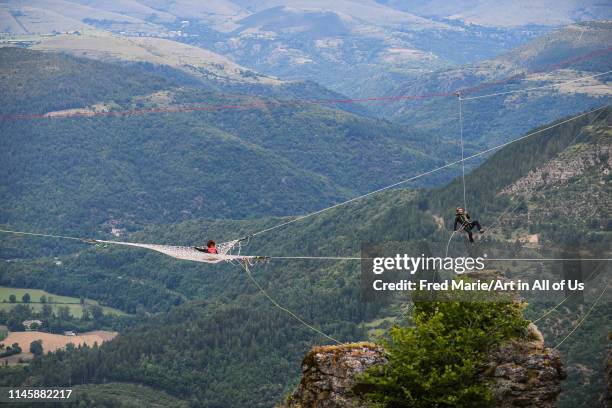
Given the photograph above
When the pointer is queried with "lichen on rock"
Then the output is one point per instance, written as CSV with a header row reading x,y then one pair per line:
x,y
329,376
524,373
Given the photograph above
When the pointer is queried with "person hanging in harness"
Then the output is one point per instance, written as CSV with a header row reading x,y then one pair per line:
x,y
211,248
462,218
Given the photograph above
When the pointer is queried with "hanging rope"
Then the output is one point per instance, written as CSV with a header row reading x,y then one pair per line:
x,y
450,239
462,158
247,269
462,171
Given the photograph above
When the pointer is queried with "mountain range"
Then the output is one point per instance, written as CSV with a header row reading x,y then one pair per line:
x,y
179,122
363,40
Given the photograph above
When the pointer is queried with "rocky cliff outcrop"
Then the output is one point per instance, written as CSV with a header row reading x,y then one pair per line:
x,y
521,373
525,373
329,376
571,163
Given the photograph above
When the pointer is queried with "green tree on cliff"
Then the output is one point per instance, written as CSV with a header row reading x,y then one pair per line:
x,y
436,362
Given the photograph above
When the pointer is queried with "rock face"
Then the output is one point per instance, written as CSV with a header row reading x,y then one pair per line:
x,y
329,373
525,373
569,164
521,374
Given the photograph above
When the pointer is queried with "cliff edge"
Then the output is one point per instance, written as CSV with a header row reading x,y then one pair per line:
x,y
329,376
521,372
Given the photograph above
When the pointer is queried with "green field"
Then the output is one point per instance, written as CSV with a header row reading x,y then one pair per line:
x,y
55,301
3,332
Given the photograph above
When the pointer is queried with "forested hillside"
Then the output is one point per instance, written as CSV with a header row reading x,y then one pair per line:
x,y
37,83
517,160
91,174
225,345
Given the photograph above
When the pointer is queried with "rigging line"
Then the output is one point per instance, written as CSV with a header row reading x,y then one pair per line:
x,y
462,157
567,297
549,259
450,239
334,258
302,217
356,258
584,57
545,68
245,265
536,87
584,318
312,257
553,309
497,222
40,235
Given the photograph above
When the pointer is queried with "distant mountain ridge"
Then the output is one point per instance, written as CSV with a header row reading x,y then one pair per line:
x,y
515,13
185,64
355,47
561,56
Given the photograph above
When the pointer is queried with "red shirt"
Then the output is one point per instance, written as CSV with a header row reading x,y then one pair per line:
x,y
212,250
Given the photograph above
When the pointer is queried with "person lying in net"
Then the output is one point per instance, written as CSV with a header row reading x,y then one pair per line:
x,y
210,248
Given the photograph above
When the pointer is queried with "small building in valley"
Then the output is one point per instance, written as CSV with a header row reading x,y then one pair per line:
x,y
32,324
